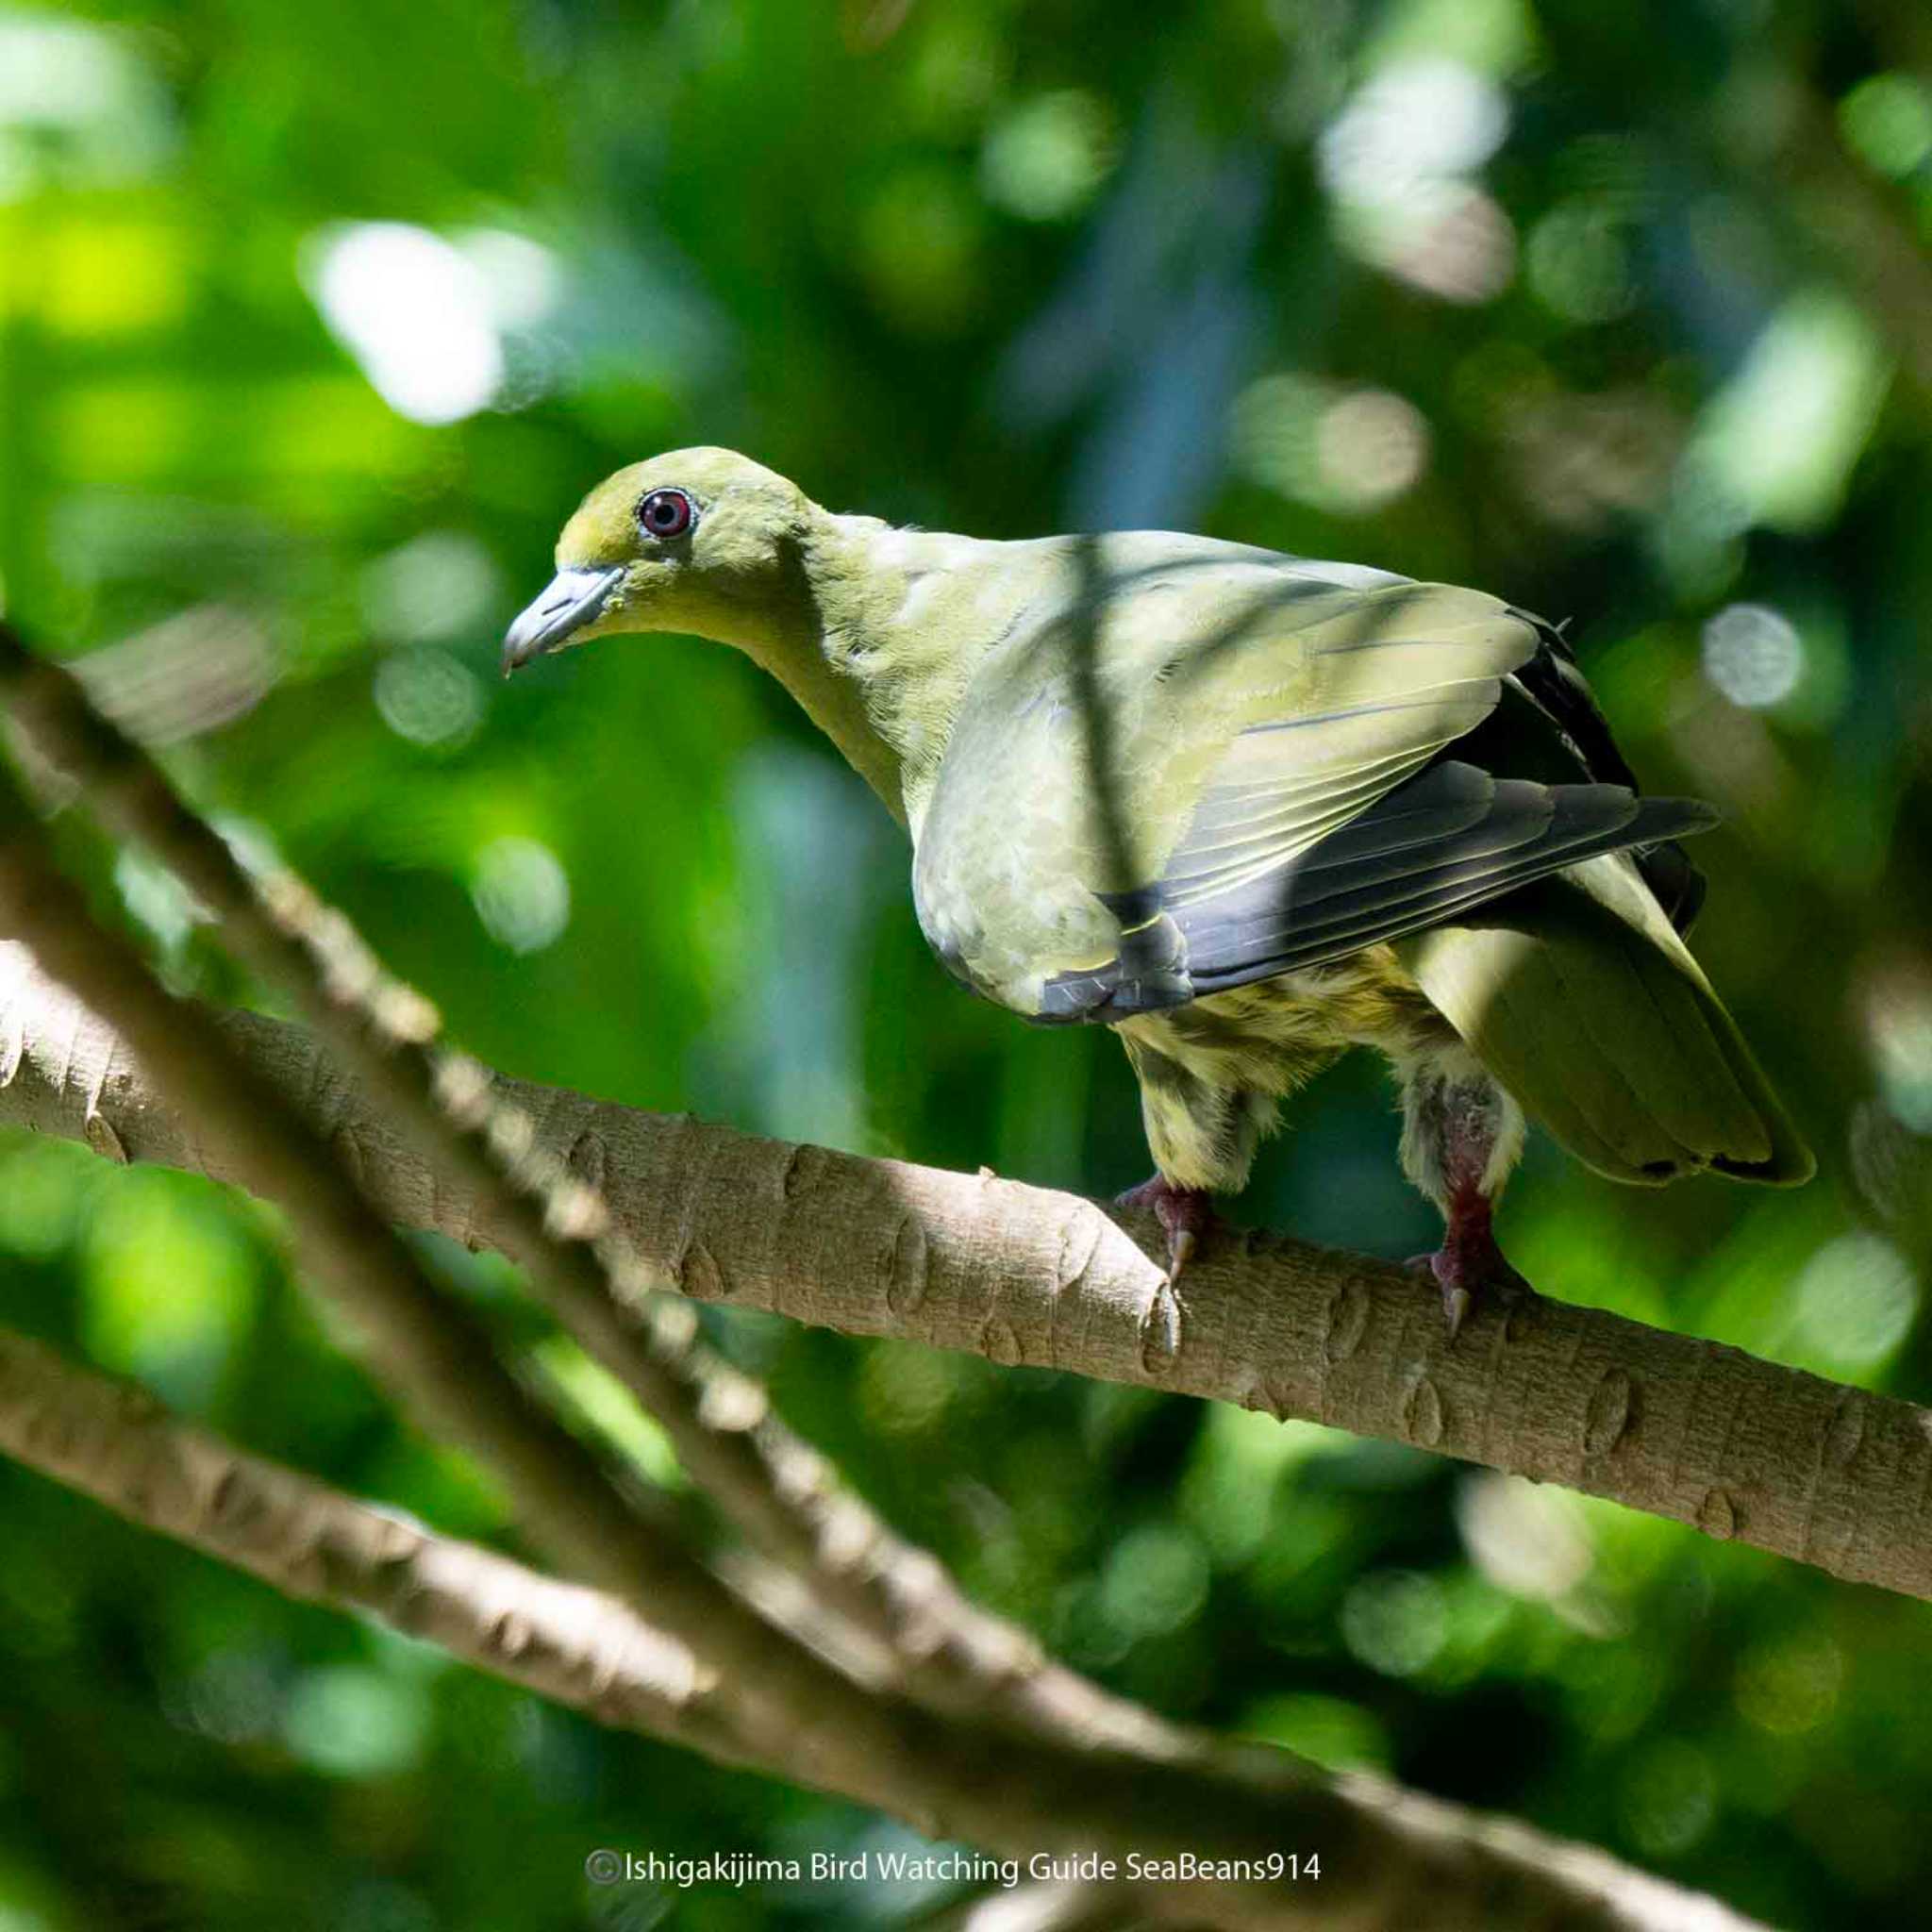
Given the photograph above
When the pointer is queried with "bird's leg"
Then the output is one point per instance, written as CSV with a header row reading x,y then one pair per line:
x,y
1203,1133
1186,1214
1468,1260
1461,1135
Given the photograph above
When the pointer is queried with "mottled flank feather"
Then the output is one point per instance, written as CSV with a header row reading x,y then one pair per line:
x,y
1211,1072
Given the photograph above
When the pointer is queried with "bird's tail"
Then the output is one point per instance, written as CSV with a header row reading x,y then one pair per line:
x,y
1580,997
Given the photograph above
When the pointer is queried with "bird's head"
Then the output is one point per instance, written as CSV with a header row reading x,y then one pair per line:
x,y
699,539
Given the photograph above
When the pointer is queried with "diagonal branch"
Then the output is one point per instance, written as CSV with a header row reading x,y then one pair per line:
x,y
552,1219
1687,1429
435,1352
113,1441
945,1777
1175,1799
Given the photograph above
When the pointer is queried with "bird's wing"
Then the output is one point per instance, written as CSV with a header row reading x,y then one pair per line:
x,y
1553,682
1446,840
1340,815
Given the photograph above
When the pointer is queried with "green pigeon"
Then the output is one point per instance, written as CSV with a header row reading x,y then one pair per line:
x,y
1246,809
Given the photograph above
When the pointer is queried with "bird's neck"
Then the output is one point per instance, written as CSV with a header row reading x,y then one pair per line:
x,y
874,642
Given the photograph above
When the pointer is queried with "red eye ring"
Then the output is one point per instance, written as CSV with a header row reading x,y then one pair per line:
x,y
665,514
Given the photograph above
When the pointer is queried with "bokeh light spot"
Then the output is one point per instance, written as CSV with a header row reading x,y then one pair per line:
x,y
169,1280
905,1390
1395,1620
523,279
76,106
1780,440
1345,450
1753,654
1790,1687
356,1722
436,585
1898,1021
1412,124
1398,158
1047,158
522,894
416,313
1887,120
1155,1580
1370,447
428,696
1853,1300
1523,1537
1669,1798
1579,263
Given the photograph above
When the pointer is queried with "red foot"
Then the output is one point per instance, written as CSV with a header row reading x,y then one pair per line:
x,y
1186,1213
1467,1262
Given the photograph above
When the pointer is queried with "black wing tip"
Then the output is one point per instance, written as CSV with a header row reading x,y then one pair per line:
x,y
1686,816
1783,1169
1674,881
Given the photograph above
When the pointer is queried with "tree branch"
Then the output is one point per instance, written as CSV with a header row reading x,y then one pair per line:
x,y
1689,1429
1177,1797
439,1357
774,1486
798,1708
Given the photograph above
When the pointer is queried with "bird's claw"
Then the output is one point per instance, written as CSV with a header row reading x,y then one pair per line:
x,y
1186,1216
1468,1263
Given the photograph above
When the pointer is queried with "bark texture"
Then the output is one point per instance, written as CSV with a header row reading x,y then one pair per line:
x,y
113,1441
1739,1448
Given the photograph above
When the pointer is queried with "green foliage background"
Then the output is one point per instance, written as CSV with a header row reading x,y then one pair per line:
x,y
1560,299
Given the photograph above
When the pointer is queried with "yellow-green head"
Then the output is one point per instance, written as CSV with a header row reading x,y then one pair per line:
x,y
697,540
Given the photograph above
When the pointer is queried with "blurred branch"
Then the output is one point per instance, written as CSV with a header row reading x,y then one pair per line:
x,y
549,1216
432,1349
578,1647
1683,1428
113,1441
791,1706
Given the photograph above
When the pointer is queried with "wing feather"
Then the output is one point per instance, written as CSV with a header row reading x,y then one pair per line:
x,y
1447,840
1337,813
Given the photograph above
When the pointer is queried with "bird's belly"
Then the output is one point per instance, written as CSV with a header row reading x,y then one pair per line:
x,y
1271,1034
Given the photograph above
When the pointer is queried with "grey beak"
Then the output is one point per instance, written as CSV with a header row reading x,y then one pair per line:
x,y
572,599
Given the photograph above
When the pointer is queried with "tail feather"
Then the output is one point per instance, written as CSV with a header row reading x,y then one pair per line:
x,y
1581,998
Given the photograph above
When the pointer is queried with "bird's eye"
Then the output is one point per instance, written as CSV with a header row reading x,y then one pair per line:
x,y
665,513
